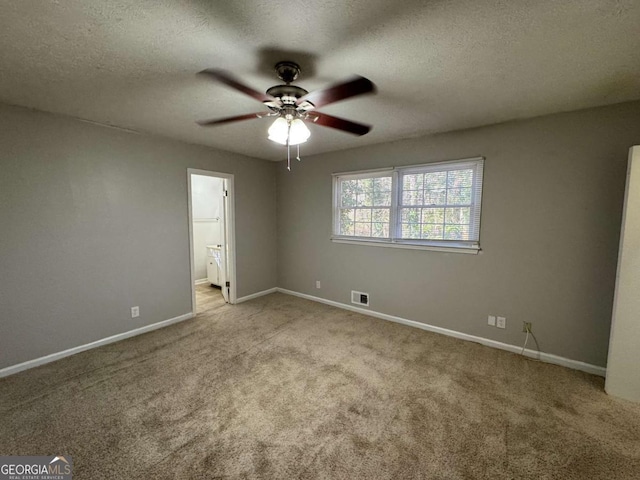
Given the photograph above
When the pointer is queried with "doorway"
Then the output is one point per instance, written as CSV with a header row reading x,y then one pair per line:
x,y
211,238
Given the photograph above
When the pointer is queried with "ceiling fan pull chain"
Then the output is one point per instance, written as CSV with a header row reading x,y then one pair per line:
x,y
288,145
298,157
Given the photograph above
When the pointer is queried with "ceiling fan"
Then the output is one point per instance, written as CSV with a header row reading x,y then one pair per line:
x,y
293,105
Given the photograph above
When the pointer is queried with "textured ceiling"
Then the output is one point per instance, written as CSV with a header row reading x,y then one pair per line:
x,y
438,65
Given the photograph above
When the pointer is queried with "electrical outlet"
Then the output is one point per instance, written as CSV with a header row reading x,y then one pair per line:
x,y
501,322
135,312
526,327
491,320
318,284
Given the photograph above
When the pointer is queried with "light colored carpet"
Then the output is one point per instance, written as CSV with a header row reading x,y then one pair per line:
x,y
280,387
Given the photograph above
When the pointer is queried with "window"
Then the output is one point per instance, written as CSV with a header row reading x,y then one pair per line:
x,y
425,206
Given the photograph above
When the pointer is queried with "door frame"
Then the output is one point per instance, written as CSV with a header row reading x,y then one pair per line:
x,y
230,227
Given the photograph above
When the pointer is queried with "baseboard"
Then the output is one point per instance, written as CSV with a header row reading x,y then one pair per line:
x,y
5,372
201,281
256,295
544,357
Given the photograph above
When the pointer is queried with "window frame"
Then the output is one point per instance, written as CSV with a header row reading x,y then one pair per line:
x,y
386,172
395,239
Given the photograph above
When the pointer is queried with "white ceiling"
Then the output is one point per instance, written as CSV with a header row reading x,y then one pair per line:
x,y
438,65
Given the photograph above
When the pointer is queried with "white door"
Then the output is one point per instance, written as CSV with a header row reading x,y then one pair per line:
x,y
224,250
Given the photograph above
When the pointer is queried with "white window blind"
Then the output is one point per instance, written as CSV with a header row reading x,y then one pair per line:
x,y
364,205
432,205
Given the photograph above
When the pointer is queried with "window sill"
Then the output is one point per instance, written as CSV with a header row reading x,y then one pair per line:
x,y
469,250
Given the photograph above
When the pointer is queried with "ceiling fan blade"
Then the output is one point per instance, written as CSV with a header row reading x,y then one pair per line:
x,y
237,118
231,81
340,123
356,86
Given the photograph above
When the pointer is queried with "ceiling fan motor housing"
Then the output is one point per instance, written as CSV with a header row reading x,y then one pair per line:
x,y
287,93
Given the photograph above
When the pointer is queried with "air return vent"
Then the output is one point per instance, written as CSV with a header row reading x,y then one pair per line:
x,y
360,298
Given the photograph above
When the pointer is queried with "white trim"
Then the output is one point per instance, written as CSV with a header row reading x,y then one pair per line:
x,y
443,165
230,220
410,246
5,372
364,173
201,281
544,357
256,295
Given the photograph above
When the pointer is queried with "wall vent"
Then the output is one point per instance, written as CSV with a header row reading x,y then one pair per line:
x,y
360,298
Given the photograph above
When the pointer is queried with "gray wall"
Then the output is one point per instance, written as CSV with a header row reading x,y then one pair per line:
x,y
552,204
94,221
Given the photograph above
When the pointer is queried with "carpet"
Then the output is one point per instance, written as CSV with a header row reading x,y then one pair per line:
x,y
281,387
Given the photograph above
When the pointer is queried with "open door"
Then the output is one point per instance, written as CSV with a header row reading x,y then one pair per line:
x,y
224,250
224,255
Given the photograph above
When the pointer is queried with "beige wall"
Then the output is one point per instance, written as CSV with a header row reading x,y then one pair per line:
x,y
552,204
94,221
624,347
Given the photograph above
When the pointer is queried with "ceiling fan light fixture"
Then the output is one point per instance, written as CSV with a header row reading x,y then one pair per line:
x,y
295,132
291,104
278,131
299,132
